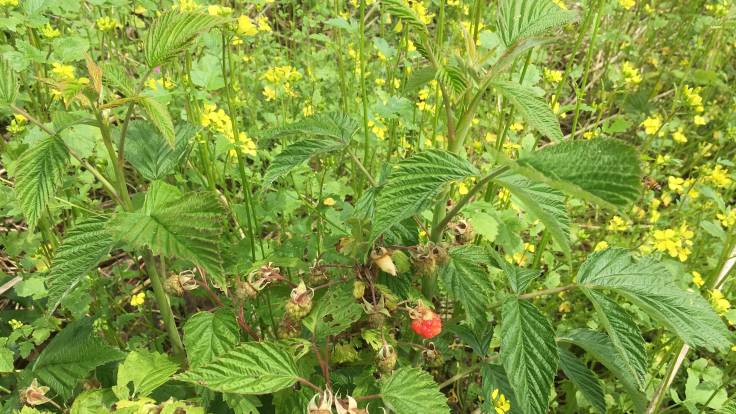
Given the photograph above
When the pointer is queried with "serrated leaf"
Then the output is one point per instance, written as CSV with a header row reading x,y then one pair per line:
x,y
113,74
599,346
146,371
603,171
8,83
584,379
38,173
645,282
188,227
529,355
411,390
210,334
250,368
535,110
172,32
415,183
334,312
518,20
478,338
84,246
544,203
624,334
70,356
296,154
334,125
159,116
401,10
466,279
519,278
151,155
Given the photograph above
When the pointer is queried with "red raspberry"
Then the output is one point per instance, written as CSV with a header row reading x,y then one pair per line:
x,y
426,323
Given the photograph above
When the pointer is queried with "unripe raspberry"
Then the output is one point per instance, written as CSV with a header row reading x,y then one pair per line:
x,y
432,357
386,359
300,302
358,289
245,290
424,264
381,257
440,255
288,328
425,322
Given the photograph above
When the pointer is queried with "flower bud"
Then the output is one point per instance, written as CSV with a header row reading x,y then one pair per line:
x,y
381,257
386,359
34,394
348,406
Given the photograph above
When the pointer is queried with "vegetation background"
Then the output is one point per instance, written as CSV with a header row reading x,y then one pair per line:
x,y
512,206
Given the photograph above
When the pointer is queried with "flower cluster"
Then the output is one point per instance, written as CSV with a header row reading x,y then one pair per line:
x,y
279,81
676,242
218,121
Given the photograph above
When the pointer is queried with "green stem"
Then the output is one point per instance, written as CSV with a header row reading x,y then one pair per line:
x,y
164,305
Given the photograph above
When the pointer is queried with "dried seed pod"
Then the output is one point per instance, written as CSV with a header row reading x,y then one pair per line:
x,y
432,357
348,406
34,394
381,257
321,403
463,231
288,328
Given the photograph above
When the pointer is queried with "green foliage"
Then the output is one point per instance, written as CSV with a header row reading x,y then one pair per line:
x,y
519,278
249,368
85,244
172,33
298,153
529,355
150,153
145,371
518,20
414,183
187,226
411,390
645,282
70,357
158,115
466,279
401,10
584,379
38,172
534,110
8,83
333,313
210,334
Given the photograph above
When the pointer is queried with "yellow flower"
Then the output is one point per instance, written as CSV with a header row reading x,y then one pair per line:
x,y
679,137
560,4
9,3
62,72
329,201
699,120
719,302
693,98
269,93
565,307
617,224
676,184
217,10
421,12
675,242
308,110
516,127
553,76
17,124
186,5
50,32
719,177
106,23
698,279
727,219
602,245
500,403
246,26
138,299
627,4
15,324
652,124
263,25
631,74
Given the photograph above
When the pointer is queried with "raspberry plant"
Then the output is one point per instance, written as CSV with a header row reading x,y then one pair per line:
x,y
183,268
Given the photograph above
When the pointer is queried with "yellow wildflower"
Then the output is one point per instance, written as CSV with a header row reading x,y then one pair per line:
x,y
516,127
246,26
698,279
15,324
329,201
617,224
17,124
553,76
186,5
699,120
627,4
602,245
719,177
693,98
719,301
631,73
652,124
62,72
263,25
679,137
308,110
727,219
50,32
106,23
500,403
138,299
676,184
9,3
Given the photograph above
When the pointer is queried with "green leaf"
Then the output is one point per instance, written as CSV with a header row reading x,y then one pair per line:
x,y
411,390
415,183
401,10
7,357
70,356
95,401
518,20
645,282
210,334
534,110
158,115
624,334
334,312
114,74
519,278
529,355
334,125
38,172
151,155
187,226
467,281
599,346
173,32
250,368
85,244
146,371
729,408
584,379
296,154
544,203
8,83
603,171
